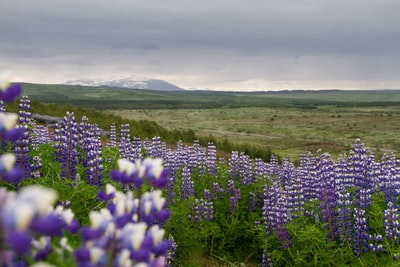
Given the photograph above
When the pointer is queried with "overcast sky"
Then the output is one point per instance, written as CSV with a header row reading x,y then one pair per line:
x,y
215,44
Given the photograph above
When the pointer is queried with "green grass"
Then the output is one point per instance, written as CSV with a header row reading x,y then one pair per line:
x,y
287,131
286,123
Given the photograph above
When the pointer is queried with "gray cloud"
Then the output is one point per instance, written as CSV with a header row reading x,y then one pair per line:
x,y
204,43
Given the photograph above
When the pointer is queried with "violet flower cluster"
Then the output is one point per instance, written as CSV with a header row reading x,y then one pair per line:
x,y
9,132
128,232
28,222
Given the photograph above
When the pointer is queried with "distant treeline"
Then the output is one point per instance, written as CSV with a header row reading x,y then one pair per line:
x,y
141,128
102,98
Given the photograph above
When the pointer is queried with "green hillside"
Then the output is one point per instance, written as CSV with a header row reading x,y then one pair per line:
x,y
121,98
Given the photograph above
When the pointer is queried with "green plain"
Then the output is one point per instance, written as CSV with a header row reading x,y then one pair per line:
x,y
288,123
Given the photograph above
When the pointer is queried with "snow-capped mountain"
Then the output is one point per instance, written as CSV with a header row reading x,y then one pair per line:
x,y
133,82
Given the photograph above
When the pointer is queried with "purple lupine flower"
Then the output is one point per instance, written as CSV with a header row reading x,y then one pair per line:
x,y
325,170
245,169
8,171
29,214
392,222
135,173
201,210
216,190
187,189
41,248
8,92
309,179
209,210
172,253
389,178
67,145
125,145
195,210
234,165
153,208
113,135
22,152
296,197
155,149
266,260
24,113
92,150
233,203
172,166
127,231
360,237
207,194
201,161
40,135
231,187
8,129
344,204
271,195
362,167
2,106
375,243
282,219
155,172
211,159
274,168
260,170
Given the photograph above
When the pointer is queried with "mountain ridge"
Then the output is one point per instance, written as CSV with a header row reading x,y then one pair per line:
x,y
131,82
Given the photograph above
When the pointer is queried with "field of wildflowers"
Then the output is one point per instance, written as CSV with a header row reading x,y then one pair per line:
x,y
70,198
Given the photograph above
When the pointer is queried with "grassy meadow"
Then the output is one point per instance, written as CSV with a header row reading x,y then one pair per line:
x,y
286,131
288,122
313,209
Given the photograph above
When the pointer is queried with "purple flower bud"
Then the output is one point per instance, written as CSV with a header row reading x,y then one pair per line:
x,y
49,225
162,248
20,241
13,135
82,254
88,233
14,176
140,255
11,93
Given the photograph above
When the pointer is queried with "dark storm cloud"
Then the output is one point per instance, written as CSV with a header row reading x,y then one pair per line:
x,y
311,39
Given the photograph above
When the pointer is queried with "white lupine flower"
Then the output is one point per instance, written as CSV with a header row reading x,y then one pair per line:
x,y
7,161
42,264
157,234
110,189
136,233
42,198
120,207
130,204
141,168
159,203
124,259
155,166
95,254
156,198
137,239
68,216
96,219
5,78
23,215
8,120
64,244
147,207
126,166
42,243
